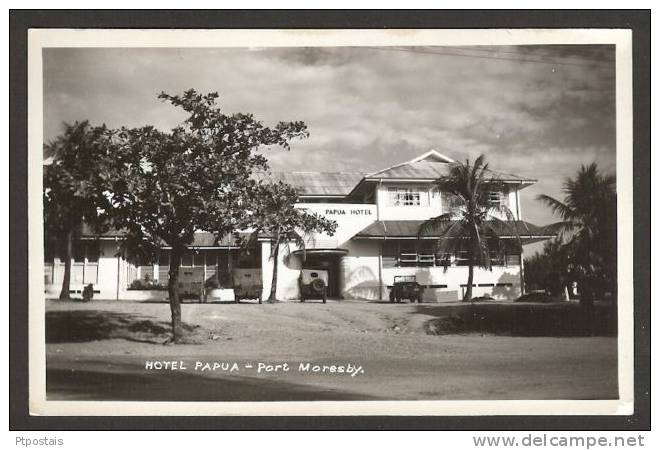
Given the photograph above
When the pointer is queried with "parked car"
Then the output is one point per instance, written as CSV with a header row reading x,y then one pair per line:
x,y
406,288
313,284
247,284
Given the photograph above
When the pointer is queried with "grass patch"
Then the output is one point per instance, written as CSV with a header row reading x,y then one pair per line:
x,y
90,325
554,319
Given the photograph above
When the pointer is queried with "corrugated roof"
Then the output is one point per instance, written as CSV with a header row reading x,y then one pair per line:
x,y
409,228
202,239
433,170
318,183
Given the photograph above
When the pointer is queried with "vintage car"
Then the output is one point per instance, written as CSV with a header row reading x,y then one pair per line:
x,y
247,284
406,288
313,284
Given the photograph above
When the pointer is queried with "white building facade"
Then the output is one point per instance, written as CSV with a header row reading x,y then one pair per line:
x,y
378,217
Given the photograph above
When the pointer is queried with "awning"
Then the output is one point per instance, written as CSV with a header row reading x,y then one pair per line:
x,y
322,252
408,229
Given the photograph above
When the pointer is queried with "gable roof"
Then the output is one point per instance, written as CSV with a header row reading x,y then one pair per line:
x,y
433,165
431,156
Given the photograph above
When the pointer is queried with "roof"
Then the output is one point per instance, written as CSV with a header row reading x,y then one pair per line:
x,y
321,184
202,238
434,170
394,229
427,166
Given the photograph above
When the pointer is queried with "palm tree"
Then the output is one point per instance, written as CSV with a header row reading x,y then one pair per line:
x,y
276,214
473,223
588,228
74,186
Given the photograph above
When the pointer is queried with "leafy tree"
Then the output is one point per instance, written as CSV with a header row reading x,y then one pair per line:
x,y
473,224
197,177
276,215
74,184
588,229
549,270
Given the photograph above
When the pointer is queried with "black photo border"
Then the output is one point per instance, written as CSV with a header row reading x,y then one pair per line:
x,y
21,20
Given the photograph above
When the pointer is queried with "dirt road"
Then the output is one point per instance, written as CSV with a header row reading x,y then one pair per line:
x,y
111,350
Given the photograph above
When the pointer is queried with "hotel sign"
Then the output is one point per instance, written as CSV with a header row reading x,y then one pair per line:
x,y
347,211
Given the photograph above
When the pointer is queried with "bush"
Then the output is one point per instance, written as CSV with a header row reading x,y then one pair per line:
x,y
538,297
146,285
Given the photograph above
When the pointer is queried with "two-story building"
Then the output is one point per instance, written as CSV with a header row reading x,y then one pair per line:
x,y
378,216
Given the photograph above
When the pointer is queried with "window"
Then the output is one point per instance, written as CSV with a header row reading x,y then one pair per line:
x,y
198,258
512,260
187,258
93,252
408,253
249,258
398,196
442,259
461,258
426,253
390,254
496,258
495,198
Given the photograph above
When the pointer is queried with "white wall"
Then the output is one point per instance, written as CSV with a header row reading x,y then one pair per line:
x,y
387,212
106,281
435,206
359,270
288,270
351,218
456,276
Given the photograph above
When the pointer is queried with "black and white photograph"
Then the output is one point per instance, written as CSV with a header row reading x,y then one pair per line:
x,y
265,221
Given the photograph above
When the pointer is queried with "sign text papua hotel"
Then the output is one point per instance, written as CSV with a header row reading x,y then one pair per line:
x,y
378,217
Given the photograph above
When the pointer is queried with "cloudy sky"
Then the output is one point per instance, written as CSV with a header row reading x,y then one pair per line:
x,y
535,111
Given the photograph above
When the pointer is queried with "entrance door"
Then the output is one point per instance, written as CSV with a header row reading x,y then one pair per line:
x,y
329,264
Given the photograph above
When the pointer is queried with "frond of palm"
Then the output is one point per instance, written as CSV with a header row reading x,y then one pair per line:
x,y
561,209
449,233
436,226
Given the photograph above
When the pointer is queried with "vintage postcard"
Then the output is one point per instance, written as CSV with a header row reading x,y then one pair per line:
x,y
330,222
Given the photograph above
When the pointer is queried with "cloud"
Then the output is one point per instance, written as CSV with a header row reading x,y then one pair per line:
x,y
539,111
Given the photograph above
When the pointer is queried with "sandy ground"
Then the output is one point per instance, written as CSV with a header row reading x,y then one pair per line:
x,y
107,359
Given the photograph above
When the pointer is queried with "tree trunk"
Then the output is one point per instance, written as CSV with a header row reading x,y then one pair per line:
x,y
272,298
468,289
66,282
173,290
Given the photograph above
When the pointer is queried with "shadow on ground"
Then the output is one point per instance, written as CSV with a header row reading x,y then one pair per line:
x,y
89,384
86,326
520,319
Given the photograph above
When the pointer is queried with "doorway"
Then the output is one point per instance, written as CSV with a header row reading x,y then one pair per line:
x,y
329,263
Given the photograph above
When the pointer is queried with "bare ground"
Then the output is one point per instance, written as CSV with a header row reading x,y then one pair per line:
x,y
98,351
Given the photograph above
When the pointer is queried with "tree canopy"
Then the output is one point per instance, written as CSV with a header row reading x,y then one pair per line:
x,y
197,177
74,191
588,229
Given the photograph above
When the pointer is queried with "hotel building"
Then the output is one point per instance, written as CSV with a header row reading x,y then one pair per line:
x,y
378,216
